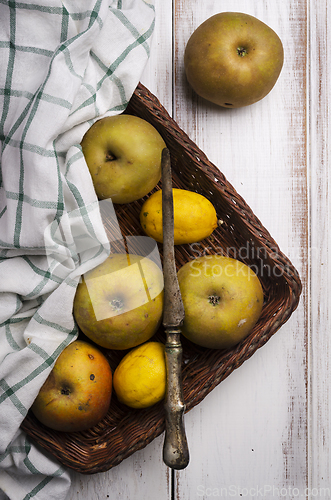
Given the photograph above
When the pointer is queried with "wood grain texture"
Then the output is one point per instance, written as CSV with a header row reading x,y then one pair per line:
x,y
158,74
264,431
320,239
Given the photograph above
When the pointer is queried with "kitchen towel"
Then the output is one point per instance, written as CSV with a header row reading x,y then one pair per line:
x,y
63,65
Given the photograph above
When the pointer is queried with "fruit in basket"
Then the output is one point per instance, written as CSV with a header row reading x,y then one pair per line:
x,y
123,154
194,216
222,298
233,59
119,304
140,378
77,392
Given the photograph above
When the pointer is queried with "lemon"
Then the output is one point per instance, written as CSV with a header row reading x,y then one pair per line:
x,y
140,377
195,217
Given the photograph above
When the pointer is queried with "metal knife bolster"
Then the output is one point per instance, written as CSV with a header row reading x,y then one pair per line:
x,y
175,448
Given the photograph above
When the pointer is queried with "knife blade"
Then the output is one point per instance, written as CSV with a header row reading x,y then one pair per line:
x,y
175,447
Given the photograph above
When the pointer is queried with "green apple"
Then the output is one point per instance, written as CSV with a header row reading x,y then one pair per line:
x,y
119,304
233,59
222,298
123,154
77,392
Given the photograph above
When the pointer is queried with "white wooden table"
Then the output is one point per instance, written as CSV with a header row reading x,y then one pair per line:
x,y
265,431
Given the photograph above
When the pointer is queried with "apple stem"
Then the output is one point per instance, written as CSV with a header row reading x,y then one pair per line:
x,y
241,51
110,156
214,299
116,304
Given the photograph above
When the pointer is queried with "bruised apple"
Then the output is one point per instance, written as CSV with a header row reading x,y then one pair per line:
x,y
222,298
119,304
77,392
123,154
233,59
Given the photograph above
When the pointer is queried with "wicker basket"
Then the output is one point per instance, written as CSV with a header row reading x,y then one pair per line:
x,y
124,431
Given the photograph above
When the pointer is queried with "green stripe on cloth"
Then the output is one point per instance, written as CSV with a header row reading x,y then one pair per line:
x,y
139,38
47,361
9,392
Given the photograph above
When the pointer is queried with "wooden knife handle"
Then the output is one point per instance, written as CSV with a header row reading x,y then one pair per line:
x,y
175,447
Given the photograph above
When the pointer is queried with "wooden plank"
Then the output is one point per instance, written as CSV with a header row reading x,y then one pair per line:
x,y
320,240
157,76
251,431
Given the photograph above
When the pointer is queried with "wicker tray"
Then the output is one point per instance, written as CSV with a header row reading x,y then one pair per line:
x,y
124,431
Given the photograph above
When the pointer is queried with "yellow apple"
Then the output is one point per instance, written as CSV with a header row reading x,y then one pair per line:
x,y
119,304
233,59
77,392
123,154
222,298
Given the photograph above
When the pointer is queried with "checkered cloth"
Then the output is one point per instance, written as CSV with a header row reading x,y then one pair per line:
x,y
63,64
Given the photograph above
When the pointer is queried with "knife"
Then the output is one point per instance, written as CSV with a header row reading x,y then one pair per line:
x,y
175,448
